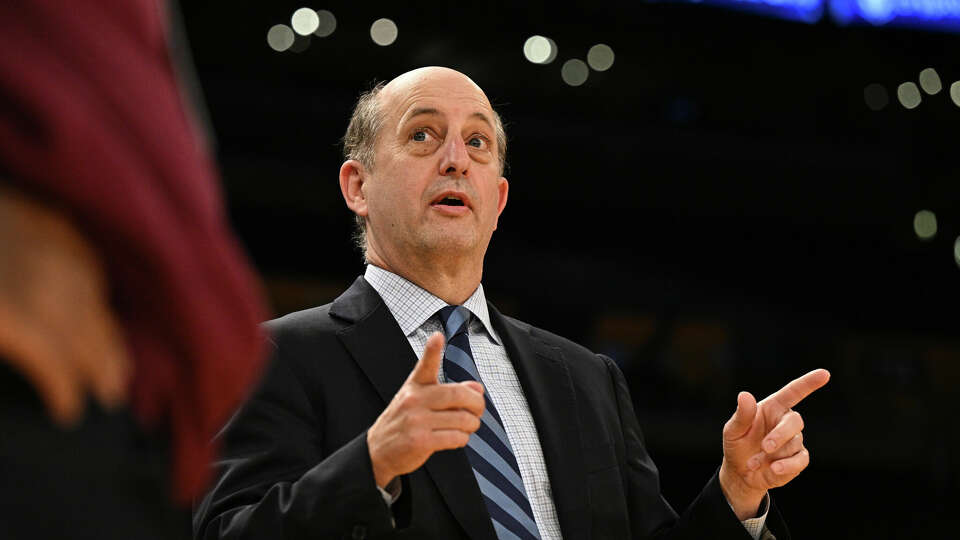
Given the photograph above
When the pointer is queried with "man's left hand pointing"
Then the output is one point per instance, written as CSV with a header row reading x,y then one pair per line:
x,y
763,444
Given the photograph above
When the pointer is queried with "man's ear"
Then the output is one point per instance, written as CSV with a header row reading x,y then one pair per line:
x,y
352,176
503,188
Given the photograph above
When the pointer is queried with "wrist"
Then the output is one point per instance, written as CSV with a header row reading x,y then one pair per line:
x,y
382,478
382,475
744,500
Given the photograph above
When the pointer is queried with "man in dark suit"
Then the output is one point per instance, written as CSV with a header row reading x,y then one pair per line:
x,y
350,435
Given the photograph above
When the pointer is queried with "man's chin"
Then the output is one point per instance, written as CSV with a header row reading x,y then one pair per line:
x,y
452,242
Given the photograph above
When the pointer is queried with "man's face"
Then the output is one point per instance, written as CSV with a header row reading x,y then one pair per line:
x,y
435,187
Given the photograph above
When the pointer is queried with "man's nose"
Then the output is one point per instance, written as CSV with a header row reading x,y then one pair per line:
x,y
454,159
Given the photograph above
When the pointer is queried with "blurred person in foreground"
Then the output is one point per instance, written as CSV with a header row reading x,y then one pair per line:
x,y
411,408
119,279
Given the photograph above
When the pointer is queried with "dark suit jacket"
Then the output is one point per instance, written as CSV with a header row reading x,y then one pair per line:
x,y
295,463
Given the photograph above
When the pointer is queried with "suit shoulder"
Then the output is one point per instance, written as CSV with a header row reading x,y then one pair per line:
x,y
308,322
570,348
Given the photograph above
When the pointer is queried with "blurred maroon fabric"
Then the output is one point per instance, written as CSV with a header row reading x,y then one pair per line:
x,y
92,121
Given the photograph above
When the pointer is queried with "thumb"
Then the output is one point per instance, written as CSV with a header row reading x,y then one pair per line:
x,y
425,372
739,424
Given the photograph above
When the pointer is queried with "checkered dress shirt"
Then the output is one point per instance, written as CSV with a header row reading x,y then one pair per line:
x,y
415,310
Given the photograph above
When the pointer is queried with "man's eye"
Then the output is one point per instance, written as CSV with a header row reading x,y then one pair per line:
x,y
477,142
420,136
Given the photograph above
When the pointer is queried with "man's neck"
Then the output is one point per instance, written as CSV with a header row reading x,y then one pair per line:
x,y
452,281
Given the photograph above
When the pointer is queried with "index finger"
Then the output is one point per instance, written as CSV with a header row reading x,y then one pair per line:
x,y
428,367
798,389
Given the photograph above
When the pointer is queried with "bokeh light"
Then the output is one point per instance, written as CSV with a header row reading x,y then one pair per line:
x,y
538,49
326,23
930,81
956,250
553,51
600,57
876,97
909,95
925,224
955,93
280,37
383,32
574,72
304,21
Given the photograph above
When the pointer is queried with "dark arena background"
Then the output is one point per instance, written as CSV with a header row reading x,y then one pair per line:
x,y
742,196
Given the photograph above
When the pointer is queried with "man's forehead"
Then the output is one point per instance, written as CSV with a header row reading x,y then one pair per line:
x,y
434,91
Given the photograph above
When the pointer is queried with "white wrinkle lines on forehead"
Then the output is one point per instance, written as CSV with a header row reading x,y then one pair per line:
x,y
460,98
430,111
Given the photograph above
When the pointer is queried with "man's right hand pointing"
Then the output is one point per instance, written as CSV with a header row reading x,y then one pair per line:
x,y
423,417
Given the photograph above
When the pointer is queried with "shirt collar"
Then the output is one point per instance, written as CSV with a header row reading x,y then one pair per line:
x,y
411,305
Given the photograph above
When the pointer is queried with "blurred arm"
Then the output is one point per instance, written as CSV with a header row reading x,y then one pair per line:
x,y
56,326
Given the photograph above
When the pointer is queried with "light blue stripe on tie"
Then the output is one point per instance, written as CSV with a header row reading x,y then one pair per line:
x,y
457,356
495,459
503,533
496,428
456,319
505,502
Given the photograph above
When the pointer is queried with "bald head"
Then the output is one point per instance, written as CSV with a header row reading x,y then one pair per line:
x,y
408,83
375,106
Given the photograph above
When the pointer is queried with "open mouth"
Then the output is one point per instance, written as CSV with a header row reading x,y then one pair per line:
x,y
450,201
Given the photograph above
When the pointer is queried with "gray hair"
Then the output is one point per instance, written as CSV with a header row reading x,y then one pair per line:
x,y
360,142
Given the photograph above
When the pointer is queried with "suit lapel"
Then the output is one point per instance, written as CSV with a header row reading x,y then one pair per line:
x,y
379,347
374,339
550,394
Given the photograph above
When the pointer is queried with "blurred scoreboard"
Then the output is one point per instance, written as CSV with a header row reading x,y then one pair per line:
x,y
923,14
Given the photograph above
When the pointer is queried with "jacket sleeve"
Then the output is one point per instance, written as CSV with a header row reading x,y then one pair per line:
x,y
708,516
274,481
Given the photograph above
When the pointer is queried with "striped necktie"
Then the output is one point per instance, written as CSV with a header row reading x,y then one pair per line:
x,y
488,449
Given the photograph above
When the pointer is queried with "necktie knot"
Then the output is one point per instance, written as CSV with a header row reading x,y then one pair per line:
x,y
454,320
